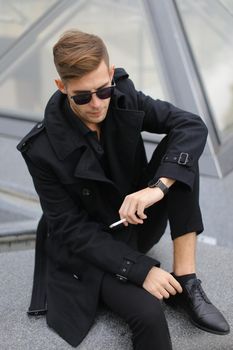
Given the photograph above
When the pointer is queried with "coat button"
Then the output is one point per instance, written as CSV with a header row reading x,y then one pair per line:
x,y
86,192
76,276
39,126
24,147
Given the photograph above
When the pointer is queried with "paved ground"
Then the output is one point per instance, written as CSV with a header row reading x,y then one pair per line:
x,y
18,332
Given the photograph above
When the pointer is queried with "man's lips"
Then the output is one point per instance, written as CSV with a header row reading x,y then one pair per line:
x,y
96,113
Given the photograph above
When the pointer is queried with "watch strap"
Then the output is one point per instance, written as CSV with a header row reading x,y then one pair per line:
x,y
160,185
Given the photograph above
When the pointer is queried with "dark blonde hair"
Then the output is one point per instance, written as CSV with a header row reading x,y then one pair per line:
x,y
77,53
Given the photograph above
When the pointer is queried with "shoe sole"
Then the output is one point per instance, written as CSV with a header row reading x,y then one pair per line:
x,y
207,329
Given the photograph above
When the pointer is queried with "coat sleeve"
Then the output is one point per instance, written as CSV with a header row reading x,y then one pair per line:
x,y
186,136
76,235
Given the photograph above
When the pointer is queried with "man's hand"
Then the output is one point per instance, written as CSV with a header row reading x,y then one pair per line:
x,y
133,206
161,284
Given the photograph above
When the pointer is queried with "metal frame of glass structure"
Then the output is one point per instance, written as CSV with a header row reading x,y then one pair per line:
x,y
180,72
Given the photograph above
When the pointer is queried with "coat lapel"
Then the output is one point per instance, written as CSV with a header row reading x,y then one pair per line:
x,y
88,167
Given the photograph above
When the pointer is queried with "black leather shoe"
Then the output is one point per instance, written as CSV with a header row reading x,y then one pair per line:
x,y
201,311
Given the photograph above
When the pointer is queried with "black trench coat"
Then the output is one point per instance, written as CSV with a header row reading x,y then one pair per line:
x,y
79,202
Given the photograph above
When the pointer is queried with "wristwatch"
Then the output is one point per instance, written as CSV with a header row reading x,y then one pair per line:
x,y
160,185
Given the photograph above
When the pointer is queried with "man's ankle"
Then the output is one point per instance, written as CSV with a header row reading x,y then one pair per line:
x,y
184,271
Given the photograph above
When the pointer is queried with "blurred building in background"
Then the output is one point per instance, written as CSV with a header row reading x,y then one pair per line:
x,y
176,50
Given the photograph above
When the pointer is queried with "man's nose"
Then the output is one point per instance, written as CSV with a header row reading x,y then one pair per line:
x,y
95,101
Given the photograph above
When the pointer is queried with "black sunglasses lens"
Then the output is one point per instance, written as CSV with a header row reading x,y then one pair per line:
x,y
105,93
82,99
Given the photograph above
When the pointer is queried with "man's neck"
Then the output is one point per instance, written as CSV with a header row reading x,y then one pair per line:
x,y
96,128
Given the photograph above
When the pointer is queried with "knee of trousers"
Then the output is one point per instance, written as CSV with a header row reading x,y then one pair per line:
x,y
148,319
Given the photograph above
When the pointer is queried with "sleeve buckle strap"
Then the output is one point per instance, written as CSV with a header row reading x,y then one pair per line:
x,y
121,278
183,158
37,312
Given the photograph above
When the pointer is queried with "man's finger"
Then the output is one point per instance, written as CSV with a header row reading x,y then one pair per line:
x,y
165,294
171,290
140,211
131,214
158,295
123,211
175,284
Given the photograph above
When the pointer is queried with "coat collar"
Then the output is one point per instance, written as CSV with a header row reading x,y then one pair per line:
x,y
63,139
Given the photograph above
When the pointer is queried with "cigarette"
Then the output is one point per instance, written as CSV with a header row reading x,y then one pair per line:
x,y
117,223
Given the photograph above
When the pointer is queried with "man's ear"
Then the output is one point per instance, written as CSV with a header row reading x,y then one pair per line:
x,y
60,85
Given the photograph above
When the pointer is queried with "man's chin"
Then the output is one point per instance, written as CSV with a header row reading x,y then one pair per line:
x,y
97,117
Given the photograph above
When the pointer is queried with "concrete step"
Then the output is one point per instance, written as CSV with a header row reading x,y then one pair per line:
x,y
18,221
18,332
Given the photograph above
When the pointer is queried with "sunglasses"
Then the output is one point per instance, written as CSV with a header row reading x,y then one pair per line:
x,y
85,97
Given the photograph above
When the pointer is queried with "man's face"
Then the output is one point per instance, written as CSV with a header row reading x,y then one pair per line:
x,y
95,111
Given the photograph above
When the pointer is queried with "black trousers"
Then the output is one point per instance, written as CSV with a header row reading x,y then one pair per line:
x,y
140,310
137,307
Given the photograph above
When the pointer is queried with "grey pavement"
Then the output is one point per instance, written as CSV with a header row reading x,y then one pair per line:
x,y
109,332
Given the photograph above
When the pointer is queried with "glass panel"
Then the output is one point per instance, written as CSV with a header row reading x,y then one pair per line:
x,y
31,81
209,25
16,17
